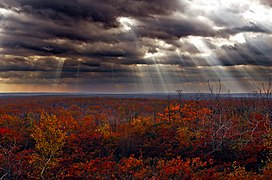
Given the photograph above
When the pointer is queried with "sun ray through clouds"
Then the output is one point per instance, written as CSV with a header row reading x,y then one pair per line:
x,y
215,65
60,63
159,78
127,28
158,59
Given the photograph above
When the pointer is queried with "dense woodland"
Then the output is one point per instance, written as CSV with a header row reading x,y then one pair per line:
x,y
119,138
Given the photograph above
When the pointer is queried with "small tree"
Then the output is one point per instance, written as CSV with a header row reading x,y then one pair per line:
x,y
50,139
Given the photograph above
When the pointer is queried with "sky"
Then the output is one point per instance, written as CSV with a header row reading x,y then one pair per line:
x,y
134,46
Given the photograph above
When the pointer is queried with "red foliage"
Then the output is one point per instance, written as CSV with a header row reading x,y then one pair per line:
x,y
109,138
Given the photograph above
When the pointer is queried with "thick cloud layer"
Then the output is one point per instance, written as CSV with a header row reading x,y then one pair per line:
x,y
134,45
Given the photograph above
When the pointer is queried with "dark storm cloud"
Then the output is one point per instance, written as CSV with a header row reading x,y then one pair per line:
x,y
35,47
38,21
173,28
250,28
87,41
61,10
69,19
105,11
24,65
254,52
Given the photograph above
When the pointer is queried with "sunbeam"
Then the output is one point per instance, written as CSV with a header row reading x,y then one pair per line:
x,y
128,25
215,65
60,63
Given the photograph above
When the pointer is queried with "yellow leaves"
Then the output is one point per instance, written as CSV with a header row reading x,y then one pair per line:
x,y
48,135
185,136
140,124
50,138
104,130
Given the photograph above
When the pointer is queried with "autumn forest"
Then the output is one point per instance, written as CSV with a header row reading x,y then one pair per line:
x,y
59,137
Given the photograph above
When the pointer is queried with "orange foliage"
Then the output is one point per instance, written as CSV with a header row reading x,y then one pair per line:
x,y
110,138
